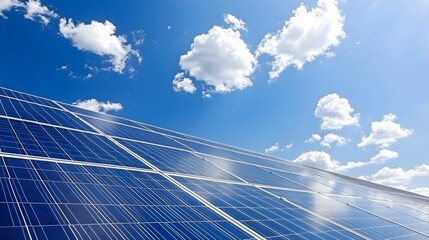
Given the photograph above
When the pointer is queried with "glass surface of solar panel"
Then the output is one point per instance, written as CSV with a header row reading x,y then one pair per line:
x,y
370,224
45,141
179,136
98,115
27,97
23,110
244,157
253,174
269,216
118,130
178,161
67,201
394,215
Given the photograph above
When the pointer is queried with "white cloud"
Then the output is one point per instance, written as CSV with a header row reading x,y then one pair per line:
x,y
385,132
335,112
383,155
322,160
290,145
37,12
273,148
182,83
314,138
221,60
138,37
306,35
99,38
236,23
331,138
421,190
397,177
7,5
96,106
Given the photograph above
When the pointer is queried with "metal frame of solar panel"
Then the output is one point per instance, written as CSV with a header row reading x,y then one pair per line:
x,y
69,173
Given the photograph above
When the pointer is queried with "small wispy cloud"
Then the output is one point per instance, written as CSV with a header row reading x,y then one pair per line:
x,y
97,106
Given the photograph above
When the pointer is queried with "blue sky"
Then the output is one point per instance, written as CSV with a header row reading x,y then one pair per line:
x,y
247,73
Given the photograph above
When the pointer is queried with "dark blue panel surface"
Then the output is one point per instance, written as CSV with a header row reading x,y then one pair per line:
x,y
107,202
33,112
119,130
37,140
27,97
370,224
267,215
173,160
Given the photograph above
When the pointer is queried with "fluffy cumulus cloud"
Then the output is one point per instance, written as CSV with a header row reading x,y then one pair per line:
x,y
332,138
37,12
314,138
323,160
398,177
273,148
306,35
236,23
335,112
96,106
385,132
182,83
384,155
221,60
99,38
7,5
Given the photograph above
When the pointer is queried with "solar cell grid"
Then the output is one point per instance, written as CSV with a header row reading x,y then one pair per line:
x,y
26,97
129,205
173,160
118,130
267,215
37,140
369,224
33,112
403,218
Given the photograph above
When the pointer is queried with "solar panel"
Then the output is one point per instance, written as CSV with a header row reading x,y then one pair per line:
x,y
69,173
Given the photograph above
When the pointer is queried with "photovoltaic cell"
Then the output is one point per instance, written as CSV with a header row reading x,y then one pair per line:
x,y
61,201
139,134
37,140
267,215
372,225
177,161
62,179
33,112
27,97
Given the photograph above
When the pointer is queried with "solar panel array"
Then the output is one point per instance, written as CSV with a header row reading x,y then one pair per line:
x,y
69,173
